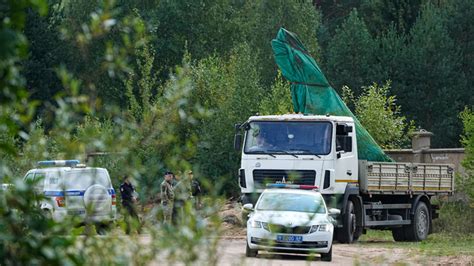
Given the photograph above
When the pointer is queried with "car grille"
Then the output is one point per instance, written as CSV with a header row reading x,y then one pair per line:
x,y
299,177
275,244
277,228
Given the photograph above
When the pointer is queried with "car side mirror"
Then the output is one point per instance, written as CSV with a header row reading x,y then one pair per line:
x,y
334,212
248,207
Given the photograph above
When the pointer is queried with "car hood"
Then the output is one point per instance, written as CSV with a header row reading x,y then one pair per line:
x,y
290,218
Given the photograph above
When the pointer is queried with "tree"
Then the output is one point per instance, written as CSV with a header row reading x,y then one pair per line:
x,y
262,19
379,113
380,15
278,100
350,55
467,140
233,92
460,25
431,84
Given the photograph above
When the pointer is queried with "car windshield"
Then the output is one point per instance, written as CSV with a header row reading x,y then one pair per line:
x,y
273,201
273,137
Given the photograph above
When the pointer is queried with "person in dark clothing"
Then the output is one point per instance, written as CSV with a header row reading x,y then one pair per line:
x,y
127,191
195,190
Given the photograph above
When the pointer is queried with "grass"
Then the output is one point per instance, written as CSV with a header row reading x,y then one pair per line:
x,y
438,244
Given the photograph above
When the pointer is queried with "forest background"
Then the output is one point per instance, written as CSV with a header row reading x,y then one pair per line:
x,y
177,75
141,87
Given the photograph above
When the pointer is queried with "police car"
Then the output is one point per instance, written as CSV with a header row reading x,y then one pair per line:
x,y
72,189
290,219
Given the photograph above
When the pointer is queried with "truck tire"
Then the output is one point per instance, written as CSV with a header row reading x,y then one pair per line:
x,y
420,226
398,234
349,232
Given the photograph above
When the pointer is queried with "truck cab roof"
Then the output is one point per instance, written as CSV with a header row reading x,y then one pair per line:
x,y
301,117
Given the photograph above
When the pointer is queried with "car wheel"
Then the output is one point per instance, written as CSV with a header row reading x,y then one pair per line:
x,y
327,256
420,226
251,253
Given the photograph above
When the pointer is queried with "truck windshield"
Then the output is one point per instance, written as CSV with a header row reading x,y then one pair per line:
x,y
273,137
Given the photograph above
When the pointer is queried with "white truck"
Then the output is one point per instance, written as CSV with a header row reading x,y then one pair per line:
x,y
322,151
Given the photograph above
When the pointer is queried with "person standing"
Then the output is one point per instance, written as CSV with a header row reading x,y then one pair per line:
x,y
195,190
127,192
167,197
182,189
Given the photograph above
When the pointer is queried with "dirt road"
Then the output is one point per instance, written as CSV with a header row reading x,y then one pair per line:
x,y
232,252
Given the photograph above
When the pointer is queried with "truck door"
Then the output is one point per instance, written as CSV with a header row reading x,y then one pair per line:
x,y
346,156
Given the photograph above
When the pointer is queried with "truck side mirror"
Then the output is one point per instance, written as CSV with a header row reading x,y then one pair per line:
x,y
238,141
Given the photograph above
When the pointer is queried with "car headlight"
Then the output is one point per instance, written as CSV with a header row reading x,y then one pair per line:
x,y
324,227
265,226
255,224
320,228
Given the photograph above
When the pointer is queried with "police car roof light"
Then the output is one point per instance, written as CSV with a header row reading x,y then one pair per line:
x,y
283,185
70,163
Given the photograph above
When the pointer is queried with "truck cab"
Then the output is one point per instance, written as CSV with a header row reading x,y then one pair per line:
x,y
298,149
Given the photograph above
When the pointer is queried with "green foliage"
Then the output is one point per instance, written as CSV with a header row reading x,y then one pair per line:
x,y
350,57
379,113
261,21
432,76
76,129
278,102
232,91
381,15
466,182
460,24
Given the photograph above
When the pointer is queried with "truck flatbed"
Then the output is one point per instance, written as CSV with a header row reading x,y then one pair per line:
x,y
406,178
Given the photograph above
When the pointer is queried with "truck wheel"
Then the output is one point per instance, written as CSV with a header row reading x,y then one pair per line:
x,y
420,226
349,231
327,256
398,234
251,253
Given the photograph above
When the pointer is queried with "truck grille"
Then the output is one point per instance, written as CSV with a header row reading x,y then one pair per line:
x,y
299,177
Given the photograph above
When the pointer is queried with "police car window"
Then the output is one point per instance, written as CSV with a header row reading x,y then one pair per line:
x,y
86,178
29,177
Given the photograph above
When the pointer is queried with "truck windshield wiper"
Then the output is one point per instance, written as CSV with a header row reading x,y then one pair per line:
x,y
308,151
284,152
264,152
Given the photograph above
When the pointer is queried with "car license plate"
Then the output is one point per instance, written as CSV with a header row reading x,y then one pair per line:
x,y
289,238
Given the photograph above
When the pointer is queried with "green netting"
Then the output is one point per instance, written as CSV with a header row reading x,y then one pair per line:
x,y
311,92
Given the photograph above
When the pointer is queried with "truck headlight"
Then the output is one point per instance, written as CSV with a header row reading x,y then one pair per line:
x,y
255,224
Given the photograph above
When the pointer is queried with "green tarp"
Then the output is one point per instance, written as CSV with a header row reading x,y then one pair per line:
x,y
311,92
